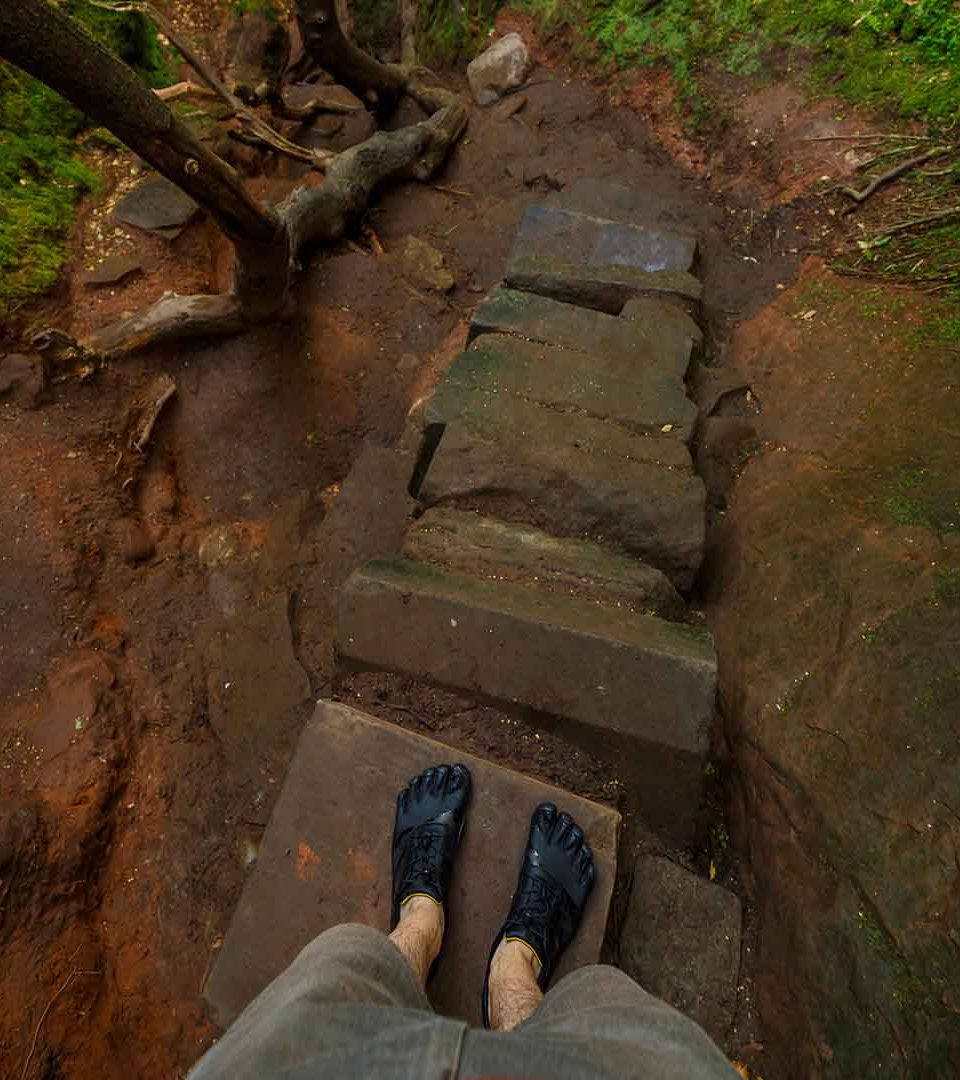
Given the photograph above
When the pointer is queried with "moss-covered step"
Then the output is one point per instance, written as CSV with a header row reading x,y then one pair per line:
x,y
506,552
658,336
571,474
614,388
615,671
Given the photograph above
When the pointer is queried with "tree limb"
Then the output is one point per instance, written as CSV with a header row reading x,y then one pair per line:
x,y
892,174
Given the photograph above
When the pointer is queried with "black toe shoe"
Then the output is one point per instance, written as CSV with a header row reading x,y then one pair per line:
x,y
556,878
426,834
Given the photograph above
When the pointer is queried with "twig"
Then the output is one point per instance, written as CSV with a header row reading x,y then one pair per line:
x,y
257,129
954,211
892,174
867,135
166,93
453,191
36,1034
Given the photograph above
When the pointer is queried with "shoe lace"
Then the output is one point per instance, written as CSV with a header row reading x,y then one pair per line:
x,y
540,900
423,851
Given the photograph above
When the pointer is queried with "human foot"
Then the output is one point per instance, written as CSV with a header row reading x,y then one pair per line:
x,y
556,878
426,834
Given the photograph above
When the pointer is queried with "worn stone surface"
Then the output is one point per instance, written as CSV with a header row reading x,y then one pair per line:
x,y
156,205
604,667
656,335
569,473
113,270
506,552
547,231
636,206
325,859
681,941
612,387
502,67
606,288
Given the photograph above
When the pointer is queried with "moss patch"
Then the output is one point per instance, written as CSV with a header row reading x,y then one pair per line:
x,y
41,171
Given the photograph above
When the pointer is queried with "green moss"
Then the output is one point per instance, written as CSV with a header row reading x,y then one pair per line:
x,y
883,53
41,172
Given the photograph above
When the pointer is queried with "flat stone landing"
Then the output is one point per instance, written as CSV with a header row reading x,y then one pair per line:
x,y
325,859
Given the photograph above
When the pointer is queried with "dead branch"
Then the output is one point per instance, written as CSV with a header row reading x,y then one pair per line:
x,y
160,391
892,174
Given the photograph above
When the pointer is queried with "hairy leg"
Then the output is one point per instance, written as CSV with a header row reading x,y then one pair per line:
x,y
419,934
514,992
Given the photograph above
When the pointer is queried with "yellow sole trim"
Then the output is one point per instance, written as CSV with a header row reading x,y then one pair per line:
x,y
527,944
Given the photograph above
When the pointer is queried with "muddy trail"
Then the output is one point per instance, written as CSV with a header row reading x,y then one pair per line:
x,y
167,616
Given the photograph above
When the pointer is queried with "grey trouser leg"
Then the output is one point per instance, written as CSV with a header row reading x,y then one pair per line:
x,y
598,1023
348,1005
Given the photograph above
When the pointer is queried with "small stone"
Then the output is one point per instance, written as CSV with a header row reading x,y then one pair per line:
x,y
21,379
157,206
503,66
423,265
408,362
113,270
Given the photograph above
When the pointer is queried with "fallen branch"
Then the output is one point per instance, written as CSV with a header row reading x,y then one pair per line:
x,y
892,174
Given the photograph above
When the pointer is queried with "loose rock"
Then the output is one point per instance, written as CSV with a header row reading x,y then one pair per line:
x,y
503,66
422,264
158,206
113,270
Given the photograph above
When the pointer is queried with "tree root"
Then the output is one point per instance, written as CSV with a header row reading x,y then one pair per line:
x,y
268,241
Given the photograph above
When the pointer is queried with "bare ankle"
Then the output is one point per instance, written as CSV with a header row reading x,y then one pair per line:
x,y
419,934
514,991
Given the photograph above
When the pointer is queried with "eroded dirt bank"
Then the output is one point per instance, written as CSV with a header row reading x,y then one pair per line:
x,y
832,589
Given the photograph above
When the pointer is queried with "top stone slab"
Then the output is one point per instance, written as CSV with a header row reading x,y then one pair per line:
x,y
548,231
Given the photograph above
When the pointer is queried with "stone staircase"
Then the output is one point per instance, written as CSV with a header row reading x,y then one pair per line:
x,y
561,520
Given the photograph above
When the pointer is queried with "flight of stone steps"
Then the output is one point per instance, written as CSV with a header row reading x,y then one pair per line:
x,y
563,517
560,524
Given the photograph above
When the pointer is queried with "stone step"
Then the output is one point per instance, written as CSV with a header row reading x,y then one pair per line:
x,y
644,399
325,859
680,940
507,553
606,668
570,474
601,198
599,263
657,336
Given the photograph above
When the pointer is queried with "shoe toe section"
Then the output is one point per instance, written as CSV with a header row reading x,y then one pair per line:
x,y
459,781
542,823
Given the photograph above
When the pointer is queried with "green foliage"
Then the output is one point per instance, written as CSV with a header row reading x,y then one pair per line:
x,y
885,53
454,30
41,173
